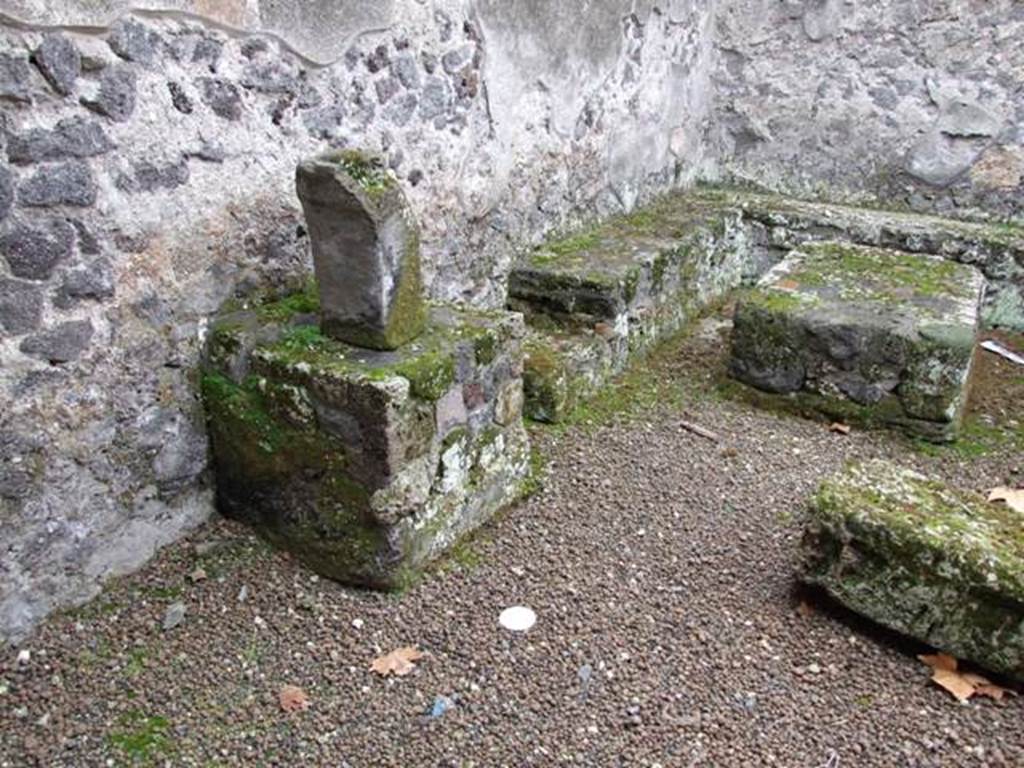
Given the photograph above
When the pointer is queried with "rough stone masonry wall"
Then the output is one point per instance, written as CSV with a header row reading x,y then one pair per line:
x,y
147,177
909,102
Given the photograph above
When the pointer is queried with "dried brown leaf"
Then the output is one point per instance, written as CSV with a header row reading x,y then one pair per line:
x,y
293,699
993,691
963,685
939,661
1013,497
975,680
399,662
953,682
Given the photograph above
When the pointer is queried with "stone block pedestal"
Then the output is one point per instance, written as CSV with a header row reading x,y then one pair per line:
x,y
366,464
863,334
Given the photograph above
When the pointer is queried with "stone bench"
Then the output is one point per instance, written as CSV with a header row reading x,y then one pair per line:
x,y
776,225
863,334
598,298
940,565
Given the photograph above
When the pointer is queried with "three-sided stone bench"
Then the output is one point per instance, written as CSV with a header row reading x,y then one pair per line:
x,y
937,564
598,298
863,334
351,423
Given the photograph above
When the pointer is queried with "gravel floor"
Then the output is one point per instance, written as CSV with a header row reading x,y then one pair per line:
x,y
670,632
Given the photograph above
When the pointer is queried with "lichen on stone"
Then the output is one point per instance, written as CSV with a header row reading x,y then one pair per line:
x,y
937,563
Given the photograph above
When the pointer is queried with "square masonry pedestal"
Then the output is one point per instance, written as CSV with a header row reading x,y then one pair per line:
x,y
863,334
365,464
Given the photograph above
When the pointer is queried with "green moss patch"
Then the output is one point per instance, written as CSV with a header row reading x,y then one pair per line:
x,y
430,371
907,516
367,171
141,738
304,302
934,562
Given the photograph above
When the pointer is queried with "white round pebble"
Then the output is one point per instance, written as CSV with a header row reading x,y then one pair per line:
x,y
518,618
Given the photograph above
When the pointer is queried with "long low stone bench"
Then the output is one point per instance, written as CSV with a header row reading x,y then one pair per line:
x,y
594,300
602,296
776,225
937,564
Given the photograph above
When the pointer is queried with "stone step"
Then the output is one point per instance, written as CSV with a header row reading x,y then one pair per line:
x,y
932,562
594,300
598,298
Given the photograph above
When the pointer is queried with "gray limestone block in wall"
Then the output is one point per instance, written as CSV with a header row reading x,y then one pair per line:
x,y
319,29
365,250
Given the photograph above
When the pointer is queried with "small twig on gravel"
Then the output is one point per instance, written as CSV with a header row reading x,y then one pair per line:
x,y
832,761
699,430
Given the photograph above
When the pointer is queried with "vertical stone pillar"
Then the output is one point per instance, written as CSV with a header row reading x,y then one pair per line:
x,y
365,250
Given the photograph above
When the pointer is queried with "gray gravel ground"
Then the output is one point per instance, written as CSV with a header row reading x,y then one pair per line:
x,y
660,564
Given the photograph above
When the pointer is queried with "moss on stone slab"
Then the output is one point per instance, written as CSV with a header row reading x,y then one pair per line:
x,y
261,456
368,171
545,384
863,334
934,562
303,302
430,370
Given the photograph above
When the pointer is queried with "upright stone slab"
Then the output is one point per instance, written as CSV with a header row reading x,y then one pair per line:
x,y
935,563
365,249
864,334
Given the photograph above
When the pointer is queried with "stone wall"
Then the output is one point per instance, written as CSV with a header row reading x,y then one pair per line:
x,y
148,179
909,102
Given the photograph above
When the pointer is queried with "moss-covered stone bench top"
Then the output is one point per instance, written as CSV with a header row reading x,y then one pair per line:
x,y
285,338
997,249
602,270
920,233
936,563
863,334
874,286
